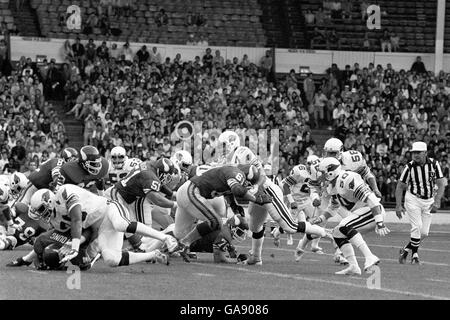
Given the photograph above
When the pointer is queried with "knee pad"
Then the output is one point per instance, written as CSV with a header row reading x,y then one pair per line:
x,y
309,237
258,235
348,231
132,227
125,260
340,241
301,227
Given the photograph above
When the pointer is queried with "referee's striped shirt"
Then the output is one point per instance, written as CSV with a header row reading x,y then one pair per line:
x,y
421,179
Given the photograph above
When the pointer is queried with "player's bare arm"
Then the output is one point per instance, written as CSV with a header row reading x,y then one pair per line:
x,y
399,191
76,220
160,200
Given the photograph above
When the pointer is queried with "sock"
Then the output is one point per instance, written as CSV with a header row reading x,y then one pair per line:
x,y
358,241
147,231
192,236
314,230
315,243
257,245
30,257
349,253
303,242
137,257
414,245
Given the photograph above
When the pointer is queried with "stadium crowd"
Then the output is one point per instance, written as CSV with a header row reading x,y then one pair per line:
x,y
135,99
30,129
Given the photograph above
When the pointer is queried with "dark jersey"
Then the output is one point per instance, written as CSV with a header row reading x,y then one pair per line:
x,y
47,171
217,182
138,183
30,228
73,173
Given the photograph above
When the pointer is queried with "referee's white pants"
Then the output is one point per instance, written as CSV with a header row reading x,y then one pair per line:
x,y
419,214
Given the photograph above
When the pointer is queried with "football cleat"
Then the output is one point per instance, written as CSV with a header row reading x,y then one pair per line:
x,y
183,251
19,262
253,261
340,259
299,254
276,236
371,261
402,256
317,250
351,270
415,259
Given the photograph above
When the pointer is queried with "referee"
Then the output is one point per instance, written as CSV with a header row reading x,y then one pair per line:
x,y
419,179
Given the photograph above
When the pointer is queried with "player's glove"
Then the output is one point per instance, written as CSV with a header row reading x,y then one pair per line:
x,y
262,198
381,229
242,257
72,254
12,228
65,249
316,220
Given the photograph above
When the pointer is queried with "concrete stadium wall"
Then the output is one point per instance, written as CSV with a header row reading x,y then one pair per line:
x,y
53,48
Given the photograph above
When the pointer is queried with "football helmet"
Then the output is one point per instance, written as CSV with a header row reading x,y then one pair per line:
x,y
42,205
251,173
231,140
131,164
311,159
69,154
118,157
333,148
183,159
165,170
17,182
4,193
238,227
300,171
330,168
90,160
51,257
268,170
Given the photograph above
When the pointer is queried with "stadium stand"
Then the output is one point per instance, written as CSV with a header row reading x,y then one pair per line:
x,y
233,22
6,14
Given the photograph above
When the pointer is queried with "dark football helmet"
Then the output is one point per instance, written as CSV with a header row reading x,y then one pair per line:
x,y
238,227
165,170
251,173
90,159
69,154
51,257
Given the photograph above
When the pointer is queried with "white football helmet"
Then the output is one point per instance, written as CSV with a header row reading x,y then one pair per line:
x,y
17,182
302,172
333,148
311,159
42,204
4,193
118,157
268,170
131,164
182,159
330,168
243,155
231,140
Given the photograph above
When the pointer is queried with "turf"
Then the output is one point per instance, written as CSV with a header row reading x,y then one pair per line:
x,y
279,278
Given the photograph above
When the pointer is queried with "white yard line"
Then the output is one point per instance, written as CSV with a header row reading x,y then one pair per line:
x,y
340,283
331,255
439,280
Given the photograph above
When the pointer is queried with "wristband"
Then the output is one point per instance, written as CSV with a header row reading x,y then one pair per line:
x,y
76,244
290,198
378,218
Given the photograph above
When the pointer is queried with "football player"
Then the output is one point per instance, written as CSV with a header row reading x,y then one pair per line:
x,y
143,188
90,169
193,196
277,209
296,190
365,213
46,176
120,165
74,208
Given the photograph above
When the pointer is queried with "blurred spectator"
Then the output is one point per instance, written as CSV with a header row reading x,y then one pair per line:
x,y
319,37
200,20
161,18
309,17
91,23
191,40
363,7
395,42
366,42
142,54
155,56
385,41
203,41
266,63
333,40
418,66
190,19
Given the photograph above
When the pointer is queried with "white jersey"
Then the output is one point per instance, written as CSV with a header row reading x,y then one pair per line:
x,y
244,155
298,182
354,161
115,175
93,207
314,183
350,191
